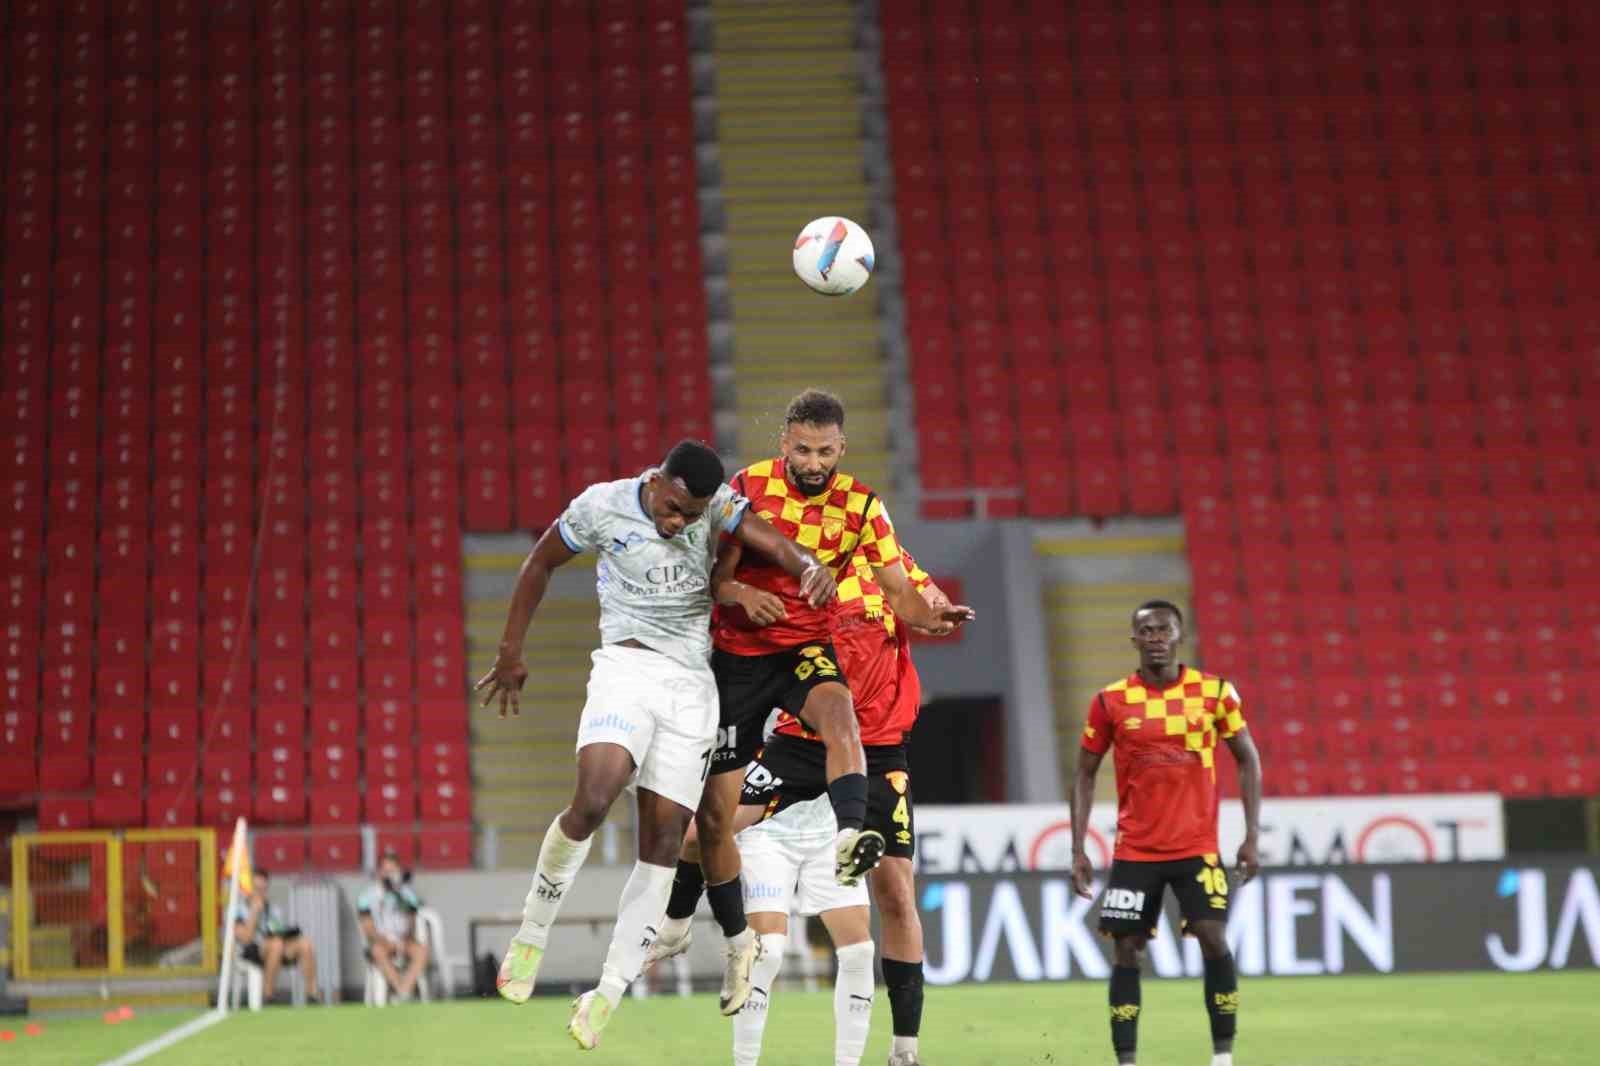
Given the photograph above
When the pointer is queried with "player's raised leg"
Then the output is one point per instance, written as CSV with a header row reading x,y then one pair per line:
x,y
603,771
828,710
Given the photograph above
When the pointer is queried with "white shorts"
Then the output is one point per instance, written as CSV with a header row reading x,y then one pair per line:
x,y
789,863
663,712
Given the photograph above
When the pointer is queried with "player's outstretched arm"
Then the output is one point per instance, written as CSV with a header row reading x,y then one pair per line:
x,y
1082,804
816,581
1249,760
505,677
909,605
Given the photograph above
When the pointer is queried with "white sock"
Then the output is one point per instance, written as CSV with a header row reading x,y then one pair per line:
x,y
560,859
1222,1058
852,1003
639,913
904,1043
751,1021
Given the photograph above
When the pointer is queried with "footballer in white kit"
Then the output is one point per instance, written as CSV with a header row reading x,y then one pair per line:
x,y
650,719
789,867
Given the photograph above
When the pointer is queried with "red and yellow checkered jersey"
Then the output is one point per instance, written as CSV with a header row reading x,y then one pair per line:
x,y
843,519
861,597
1166,745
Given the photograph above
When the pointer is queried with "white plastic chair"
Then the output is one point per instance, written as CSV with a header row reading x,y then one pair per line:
x,y
248,983
430,928
250,980
430,932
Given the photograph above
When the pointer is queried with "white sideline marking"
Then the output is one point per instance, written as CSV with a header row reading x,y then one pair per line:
x,y
166,1040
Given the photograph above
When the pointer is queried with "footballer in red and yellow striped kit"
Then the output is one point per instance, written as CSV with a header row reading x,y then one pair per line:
x,y
1165,720
771,648
874,648
842,522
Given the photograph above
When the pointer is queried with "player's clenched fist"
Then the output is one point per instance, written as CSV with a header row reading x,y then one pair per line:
x,y
817,585
504,680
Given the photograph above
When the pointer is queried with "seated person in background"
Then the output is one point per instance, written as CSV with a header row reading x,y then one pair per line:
x,y
388,912
268,941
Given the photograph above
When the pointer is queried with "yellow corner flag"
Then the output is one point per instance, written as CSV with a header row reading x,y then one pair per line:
x,y
237,865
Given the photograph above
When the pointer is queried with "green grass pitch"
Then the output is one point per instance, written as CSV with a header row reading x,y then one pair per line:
x,y
1447,1020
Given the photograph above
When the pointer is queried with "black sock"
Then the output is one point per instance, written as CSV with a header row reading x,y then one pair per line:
x,y
727,906
688,885
904,982
1124,1011
1222,1001
848,794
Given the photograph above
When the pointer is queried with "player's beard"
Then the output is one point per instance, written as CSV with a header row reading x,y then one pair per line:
x,y
811,486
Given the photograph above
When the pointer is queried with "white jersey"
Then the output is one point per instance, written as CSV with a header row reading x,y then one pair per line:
x,y
652,589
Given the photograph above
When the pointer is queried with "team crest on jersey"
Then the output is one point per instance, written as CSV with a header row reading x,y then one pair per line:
x,y
832,528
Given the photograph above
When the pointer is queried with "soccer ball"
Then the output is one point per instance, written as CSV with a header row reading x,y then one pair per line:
x,y
833,256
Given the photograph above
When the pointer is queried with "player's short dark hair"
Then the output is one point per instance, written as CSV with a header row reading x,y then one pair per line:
x,y
262,871
816,406
1157,605
696,465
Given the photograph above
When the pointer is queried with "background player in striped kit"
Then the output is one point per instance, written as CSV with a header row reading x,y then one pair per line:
x,y
1164,721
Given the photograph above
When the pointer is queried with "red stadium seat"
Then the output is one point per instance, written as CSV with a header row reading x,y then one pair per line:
x,y
335,850
281,804
118,809
280,851
335,806
445,847
446,801
391,803
66,772
169,808
66,813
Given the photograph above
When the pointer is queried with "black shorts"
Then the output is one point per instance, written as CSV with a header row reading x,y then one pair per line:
x,y
792,770
252,952
1131,904
750,686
